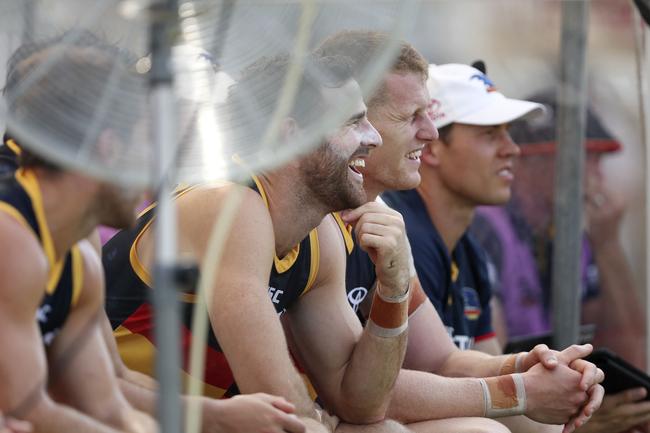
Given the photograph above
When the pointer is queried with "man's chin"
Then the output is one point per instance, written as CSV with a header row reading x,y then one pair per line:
x,y
358,198
352,201
498,200
403,181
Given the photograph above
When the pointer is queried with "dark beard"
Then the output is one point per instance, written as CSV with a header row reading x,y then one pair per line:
x,y
326,176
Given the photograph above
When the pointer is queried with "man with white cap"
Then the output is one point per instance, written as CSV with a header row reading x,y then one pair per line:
x,y
468,165
519,240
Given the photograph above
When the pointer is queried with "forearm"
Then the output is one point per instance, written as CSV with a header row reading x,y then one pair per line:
x,y
141,398
369,377
471,363
420,396
141,392
50,417
376,360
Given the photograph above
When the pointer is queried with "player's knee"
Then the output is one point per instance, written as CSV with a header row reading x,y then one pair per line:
x,y
459,425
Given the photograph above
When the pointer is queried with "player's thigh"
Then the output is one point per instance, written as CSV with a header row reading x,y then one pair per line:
x,y
459,425
521,424
386,426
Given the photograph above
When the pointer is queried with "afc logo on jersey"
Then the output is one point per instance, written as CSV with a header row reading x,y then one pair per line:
x,y
42,316
275,295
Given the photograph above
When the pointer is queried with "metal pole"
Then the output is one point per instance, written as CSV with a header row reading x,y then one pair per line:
x,y
642,34
165,299
569,174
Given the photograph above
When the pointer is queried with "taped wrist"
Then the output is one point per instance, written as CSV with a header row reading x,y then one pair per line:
x,y
388,316
394,299
512,364
504,395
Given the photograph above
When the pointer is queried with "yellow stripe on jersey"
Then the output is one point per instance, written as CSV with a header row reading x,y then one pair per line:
x,y
454,271
77,274
11,144
286,262
310,388
346,231
28,181
260,188
180,190
135,350
139,354
54,276
136,264
314,262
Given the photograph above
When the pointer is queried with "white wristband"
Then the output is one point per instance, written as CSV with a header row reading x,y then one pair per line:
x,y
501,405
518,361
380,331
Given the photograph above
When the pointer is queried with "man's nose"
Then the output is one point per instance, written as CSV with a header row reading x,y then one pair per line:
x,y
427,130
510,148
371,137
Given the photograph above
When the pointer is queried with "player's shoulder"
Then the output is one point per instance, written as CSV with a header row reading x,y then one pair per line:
x,y
241,210
209,200
330,237
23,264
90,271
90,260
332,253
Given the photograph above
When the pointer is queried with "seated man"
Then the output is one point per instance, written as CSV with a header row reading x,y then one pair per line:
x,y
283,259
518,239
251,413
56,371
399,112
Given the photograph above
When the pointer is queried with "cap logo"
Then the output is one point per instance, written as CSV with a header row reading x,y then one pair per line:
x,y
489,85
434,110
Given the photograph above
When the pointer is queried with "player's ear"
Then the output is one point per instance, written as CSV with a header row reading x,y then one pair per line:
x,y
289,128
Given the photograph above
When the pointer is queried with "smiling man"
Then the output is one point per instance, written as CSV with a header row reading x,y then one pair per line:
x,y
283,265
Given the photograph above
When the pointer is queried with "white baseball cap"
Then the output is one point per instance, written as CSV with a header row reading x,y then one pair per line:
x,y
463,94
